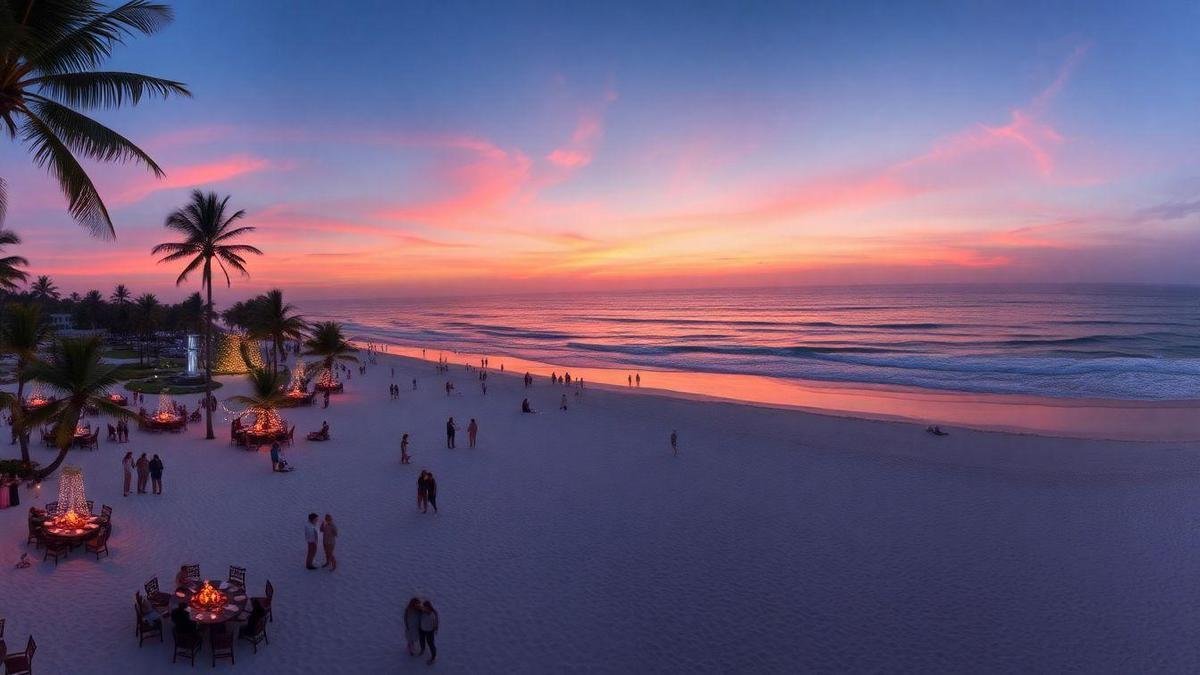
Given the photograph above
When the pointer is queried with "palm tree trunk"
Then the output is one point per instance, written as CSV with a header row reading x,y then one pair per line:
x,y
208,354
19,417
53,466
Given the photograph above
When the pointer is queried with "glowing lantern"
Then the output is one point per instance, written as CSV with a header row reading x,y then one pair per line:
x,y
208,598
72,502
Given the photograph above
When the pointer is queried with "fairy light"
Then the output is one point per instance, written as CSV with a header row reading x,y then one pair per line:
x,y
228,354
37,397
327,381
297,388
72,502
166,408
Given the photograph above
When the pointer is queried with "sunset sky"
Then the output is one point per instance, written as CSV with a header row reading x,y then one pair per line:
x,y
422,148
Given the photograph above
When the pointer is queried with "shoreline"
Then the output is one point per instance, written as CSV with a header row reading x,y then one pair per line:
x,y
1087,419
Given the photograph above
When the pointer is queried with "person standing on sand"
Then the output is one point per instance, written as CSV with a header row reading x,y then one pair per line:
x,y
563,403
412,625
472,430
450,433
427,486
638,378
310,538
404,458
143,472
629,379
414,384
674,443
429,628
329,534
127,469
422,492
156,469
275,448
326,399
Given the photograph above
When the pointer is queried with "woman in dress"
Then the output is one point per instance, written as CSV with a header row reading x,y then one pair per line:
x,y
412,625
329,534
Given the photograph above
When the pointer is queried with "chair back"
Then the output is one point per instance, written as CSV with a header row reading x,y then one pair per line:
x,y
91,505
106,512
270,590
193,572
152,587
30,648
237,575
1,627
51,509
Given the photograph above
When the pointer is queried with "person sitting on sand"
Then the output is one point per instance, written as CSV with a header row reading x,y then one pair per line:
x,y
322,434
936,431
525,406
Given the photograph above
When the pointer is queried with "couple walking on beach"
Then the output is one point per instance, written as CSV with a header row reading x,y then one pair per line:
x,y
451,428
426,492
420,627
147,469
329,535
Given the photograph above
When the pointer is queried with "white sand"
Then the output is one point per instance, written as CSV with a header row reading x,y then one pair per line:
x,y
573,541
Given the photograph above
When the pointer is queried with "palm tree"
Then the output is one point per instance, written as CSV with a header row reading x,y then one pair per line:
x,y
327,341
206,232
44,290
275,321
120,295
74,371
10,276
266,392
48,68
147,310
21,336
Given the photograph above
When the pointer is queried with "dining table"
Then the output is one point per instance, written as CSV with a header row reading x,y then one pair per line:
x,y
236,601
70,534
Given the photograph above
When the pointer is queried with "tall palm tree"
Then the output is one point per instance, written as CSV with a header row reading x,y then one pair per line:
x,y
10,276
44,290
49,71
327,341
207,235
276,321
21,336
266,392
120,295
147,310
74,371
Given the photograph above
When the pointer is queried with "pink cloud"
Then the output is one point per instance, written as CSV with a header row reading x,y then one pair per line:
x,y
188,176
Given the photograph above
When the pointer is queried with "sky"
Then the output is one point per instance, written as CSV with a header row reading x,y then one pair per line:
x,y
419,148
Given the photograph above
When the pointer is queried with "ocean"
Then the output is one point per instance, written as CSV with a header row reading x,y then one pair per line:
x,y
1084,341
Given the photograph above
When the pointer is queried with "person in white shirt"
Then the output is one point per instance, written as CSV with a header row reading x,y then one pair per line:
x,y
127,466
310,536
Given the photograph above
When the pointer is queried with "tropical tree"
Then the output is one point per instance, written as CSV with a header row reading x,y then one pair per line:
x,y
266,392
327,340
90,308
148,311
10,276
208,232
22,334
49,70
44,290
275,321
74,371
120,295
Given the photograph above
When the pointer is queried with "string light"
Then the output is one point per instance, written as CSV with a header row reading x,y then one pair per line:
x,y
72,502
228,354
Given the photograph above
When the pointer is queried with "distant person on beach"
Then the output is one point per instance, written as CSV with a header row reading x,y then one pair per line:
x,y
310,538
127,469
450,428
414,384
525,406
275,449
431,491
412,625
638,378
404,458
567,379
562,405
329,533
325,399
143,473
630,380
429,627
674,442
472,430
156,469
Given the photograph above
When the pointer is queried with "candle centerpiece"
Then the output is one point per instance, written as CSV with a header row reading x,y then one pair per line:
x,y
208,598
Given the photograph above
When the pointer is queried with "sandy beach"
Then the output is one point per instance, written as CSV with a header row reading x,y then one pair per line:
x,y
776,541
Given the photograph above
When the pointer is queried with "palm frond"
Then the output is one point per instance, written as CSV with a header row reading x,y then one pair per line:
x,y
106,89
83,200
92,41
88,137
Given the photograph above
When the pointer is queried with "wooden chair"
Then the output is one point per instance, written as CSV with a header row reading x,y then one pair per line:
x,y
2,628
193,572
237,575
35,531
265,601
99,543
106,514
186,644
91,506
145,628
51,509
159,600
221,644
21,664
54,547
254,634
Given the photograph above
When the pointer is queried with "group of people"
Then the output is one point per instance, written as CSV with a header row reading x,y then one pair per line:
x,y
120,432
420,626
426,491
451,428
328,532
147,469
394,391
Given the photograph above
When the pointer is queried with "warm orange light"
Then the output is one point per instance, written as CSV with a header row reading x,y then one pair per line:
x,y
209,598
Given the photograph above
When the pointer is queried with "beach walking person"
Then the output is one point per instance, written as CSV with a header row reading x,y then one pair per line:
x,y
562,405
414,384
127,469
638,378
310,538
429,628
422,492
472,430
412,625
674,442
143,473
404,458
156,469
450,433
427,492
275,449
329,534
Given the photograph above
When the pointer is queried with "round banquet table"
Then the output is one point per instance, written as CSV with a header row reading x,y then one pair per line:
x,y
73,535
235,602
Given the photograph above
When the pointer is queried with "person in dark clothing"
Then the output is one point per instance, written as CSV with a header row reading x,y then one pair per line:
x,y
254,621
183,621
525,406
429,628
450,433
427,492
156,469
